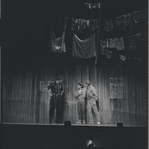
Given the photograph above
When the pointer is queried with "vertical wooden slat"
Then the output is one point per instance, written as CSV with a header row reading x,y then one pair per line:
x,y
137,96
133,96
126,96
102,93
112,101
107,111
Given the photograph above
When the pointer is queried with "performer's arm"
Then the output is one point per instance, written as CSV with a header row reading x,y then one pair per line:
x,y
94,93
77,94
49,89
62,89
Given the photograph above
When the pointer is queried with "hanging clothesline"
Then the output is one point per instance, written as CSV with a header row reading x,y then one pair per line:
x,y
85,20
108,53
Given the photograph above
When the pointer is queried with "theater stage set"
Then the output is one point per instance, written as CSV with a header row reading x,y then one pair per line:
x,y
119,74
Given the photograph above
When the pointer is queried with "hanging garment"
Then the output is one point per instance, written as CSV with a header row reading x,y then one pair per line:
x,y
79,25
119,43
102,51
139,16
103,43
132,42
122,57
93,5
127,20
138,39
108,54
112,43
119,20
92,24
74,25
57,45
84,48
84,24
108,25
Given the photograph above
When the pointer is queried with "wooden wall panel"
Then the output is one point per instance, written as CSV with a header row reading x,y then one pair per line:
x,y
126,96
24,102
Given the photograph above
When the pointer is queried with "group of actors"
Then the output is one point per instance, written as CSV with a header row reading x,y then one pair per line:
x,y
86,97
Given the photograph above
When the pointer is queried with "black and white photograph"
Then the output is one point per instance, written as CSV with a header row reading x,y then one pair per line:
x,y
74,74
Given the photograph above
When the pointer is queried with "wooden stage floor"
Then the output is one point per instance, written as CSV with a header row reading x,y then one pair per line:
x,y
76,125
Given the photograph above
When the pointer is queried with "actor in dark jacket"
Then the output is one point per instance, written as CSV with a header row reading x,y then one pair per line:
x,y
56,100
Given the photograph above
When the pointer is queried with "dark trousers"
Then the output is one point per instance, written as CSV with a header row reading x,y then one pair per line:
x,y
55,104
81,110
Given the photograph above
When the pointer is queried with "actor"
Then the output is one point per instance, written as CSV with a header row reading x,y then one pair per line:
x,y
91,96
80,97
56,100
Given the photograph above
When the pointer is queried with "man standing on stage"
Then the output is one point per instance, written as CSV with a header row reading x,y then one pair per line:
x,y
91,96
80,96
56,100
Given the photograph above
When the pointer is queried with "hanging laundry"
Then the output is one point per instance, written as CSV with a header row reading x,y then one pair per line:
x,y
57,45
127,20
103,43
119,43
108,25
112,43
122,57
84,48
139,16
138,38
119,20
92,25
74,25
132,42
108,54
83,24
80,24
93,5
102,51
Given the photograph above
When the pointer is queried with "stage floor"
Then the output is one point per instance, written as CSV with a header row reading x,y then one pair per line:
x,y
78,125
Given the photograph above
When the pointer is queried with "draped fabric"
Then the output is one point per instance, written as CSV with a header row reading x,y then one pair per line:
x,y
112,43
93,25
84,48
119,43
93,5
127,20
80,24
102,51
139,16
123,58
108,54
57,45
108,25
119,20
103,43
134,40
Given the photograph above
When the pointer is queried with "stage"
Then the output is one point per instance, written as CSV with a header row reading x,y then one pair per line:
x,y
74,125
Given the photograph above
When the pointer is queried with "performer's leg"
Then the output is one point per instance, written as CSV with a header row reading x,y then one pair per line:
x,y
89,112
58,109
95,110
79,112
52,110
83,111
